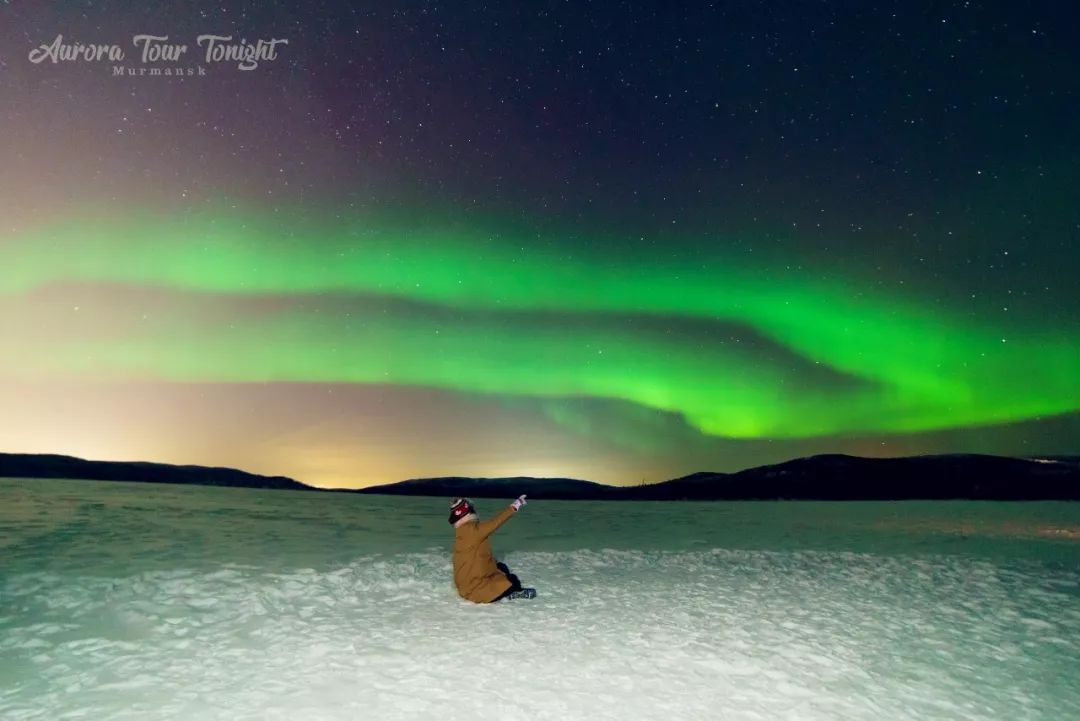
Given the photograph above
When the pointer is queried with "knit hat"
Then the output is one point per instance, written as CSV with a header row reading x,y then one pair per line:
x,y
460,508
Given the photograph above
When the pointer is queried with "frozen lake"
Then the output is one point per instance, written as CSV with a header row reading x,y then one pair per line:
x,y
145,602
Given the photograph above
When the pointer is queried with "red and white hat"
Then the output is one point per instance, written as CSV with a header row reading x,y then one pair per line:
x,y
460,508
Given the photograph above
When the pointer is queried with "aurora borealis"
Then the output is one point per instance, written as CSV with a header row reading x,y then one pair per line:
x,y
413,247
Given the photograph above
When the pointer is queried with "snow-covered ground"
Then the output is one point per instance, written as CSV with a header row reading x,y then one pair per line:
x,y
145,603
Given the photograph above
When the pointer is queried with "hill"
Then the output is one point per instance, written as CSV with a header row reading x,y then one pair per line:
x,y
840,477
823,477
49,466
546,488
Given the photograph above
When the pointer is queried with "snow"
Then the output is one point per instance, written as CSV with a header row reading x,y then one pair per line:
x,y
187,631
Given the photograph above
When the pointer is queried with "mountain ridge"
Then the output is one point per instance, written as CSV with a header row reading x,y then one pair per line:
x,y
47,465
819,477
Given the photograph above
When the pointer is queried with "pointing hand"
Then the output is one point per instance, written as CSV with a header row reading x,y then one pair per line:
x,y
518,502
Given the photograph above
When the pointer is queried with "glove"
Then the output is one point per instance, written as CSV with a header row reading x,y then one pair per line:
x,y
518,502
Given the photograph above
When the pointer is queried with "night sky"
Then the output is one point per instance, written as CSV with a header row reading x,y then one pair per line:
x,y
614,241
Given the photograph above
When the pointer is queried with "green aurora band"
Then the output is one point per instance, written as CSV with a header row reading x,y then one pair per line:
x,y
739,351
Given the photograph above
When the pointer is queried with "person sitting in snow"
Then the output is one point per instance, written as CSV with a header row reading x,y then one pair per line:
x,y
478,577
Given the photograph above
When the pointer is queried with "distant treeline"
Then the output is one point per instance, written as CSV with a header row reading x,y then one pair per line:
x,y
48,466
824,477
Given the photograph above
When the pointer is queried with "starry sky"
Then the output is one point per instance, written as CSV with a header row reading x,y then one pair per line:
x,y
615,241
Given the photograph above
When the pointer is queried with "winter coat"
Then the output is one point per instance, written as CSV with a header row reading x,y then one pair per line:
x,y
475,575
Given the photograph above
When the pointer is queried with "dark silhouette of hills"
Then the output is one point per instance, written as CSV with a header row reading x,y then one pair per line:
x,y
824,477
47,466
546,488
840,477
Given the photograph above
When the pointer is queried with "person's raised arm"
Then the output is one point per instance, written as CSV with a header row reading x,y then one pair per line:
x,y
491,525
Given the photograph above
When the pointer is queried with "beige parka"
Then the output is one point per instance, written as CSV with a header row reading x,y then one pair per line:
x,y
475,574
